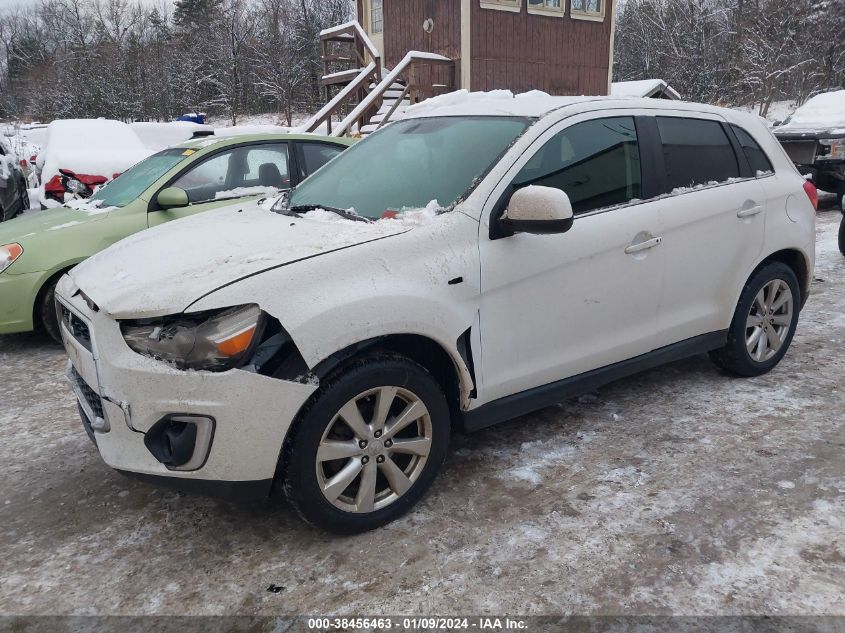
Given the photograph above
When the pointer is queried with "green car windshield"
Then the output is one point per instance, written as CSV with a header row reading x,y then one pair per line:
x,y
135,180
409,164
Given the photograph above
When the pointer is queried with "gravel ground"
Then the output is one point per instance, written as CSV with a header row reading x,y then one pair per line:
x,y
681,490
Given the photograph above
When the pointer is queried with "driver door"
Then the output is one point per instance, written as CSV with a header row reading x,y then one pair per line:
x,y
224,177
554,306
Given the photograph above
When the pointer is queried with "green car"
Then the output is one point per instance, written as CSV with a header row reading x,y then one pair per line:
x,y
198,175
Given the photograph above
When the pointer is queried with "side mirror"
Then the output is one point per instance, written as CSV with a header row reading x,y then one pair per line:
x,y
172,197
539,210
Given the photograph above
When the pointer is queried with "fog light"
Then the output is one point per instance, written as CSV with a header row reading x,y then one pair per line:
x,y
181,441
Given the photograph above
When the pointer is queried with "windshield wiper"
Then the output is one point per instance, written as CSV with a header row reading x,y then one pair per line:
x,y
298,210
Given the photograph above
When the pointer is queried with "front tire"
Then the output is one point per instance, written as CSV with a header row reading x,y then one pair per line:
x,y
367,446
46,306
764,322
842,234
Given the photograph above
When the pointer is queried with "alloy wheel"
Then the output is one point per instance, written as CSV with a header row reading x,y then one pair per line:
x,y
374,449
769,320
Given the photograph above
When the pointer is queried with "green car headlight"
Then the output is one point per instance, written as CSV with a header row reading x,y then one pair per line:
x,y
9,253
211,341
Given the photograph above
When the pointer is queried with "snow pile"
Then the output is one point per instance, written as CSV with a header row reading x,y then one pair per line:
x,y
98,147
641,88
240,192
406,219
158,136
822,111
91,207
496,102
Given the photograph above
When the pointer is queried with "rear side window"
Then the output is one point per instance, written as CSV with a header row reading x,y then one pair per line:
x,y
696,152
596,163
315,155
757,158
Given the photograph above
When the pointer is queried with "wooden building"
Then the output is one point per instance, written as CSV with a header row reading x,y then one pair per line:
x,y
563,47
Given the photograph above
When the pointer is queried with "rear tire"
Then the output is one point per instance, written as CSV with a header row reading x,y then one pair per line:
x,y
764,322
382,467
842,234
46,306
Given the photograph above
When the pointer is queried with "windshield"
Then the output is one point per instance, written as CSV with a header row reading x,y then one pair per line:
x,y
135,180
410,163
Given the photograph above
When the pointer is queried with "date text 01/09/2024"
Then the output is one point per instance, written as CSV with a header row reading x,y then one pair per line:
x,y
417,623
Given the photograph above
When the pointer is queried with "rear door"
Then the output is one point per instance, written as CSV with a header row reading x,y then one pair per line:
x,y
713,218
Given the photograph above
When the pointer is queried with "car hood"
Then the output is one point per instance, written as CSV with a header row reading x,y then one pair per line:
x,y
165,269
37,224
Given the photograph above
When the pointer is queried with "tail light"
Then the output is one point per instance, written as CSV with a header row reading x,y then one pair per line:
x,y
23,163
812,193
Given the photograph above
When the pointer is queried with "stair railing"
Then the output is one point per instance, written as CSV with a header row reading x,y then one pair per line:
x,y
368,60
405,71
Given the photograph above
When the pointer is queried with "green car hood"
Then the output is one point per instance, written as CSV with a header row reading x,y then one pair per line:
x,y
45,234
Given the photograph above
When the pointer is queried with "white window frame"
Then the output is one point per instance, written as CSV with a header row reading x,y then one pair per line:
x,y
592,16
372,22
558,12
515,6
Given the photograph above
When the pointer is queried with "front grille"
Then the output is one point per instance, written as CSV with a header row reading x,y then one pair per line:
x,y
800,152
91,397
77,327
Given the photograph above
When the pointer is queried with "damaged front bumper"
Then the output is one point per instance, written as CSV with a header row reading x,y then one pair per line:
x,y
126,399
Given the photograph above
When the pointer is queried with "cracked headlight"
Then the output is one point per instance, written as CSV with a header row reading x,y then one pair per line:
x,y
212,341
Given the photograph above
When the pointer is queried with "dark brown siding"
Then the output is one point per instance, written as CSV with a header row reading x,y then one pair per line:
x,y
522,51
403,32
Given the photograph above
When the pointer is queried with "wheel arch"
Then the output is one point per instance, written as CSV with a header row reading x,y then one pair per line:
x,y
797,261
52,277
453,371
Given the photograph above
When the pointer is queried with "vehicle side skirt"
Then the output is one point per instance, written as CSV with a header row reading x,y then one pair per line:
x,y
546,395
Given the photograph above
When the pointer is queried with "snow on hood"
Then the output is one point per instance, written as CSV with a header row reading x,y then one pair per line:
x,y
167,268
822,112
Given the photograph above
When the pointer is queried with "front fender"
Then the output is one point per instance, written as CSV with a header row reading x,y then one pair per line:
x,y
423,282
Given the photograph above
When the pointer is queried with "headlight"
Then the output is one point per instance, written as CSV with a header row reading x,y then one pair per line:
x,y
836,149
8,254
213,341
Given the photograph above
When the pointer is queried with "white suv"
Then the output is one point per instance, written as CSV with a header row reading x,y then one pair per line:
x,y
484,257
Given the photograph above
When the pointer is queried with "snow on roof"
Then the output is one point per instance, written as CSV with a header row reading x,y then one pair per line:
x,y
99,147
642,88
824,110
243,130
157,136
496,102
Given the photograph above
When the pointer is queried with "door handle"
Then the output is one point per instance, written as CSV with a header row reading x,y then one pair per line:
x,y
644,245
747,213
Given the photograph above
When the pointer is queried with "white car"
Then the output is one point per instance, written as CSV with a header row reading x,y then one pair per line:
x,y
484,257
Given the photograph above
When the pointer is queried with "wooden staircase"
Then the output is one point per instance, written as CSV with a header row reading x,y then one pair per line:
x,y
368,95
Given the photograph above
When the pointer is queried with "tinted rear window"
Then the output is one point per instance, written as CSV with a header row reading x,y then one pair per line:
x,y
696,152
757,158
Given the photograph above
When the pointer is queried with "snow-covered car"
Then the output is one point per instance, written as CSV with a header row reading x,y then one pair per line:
x,y
14,197
814,138
92,151
484,257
